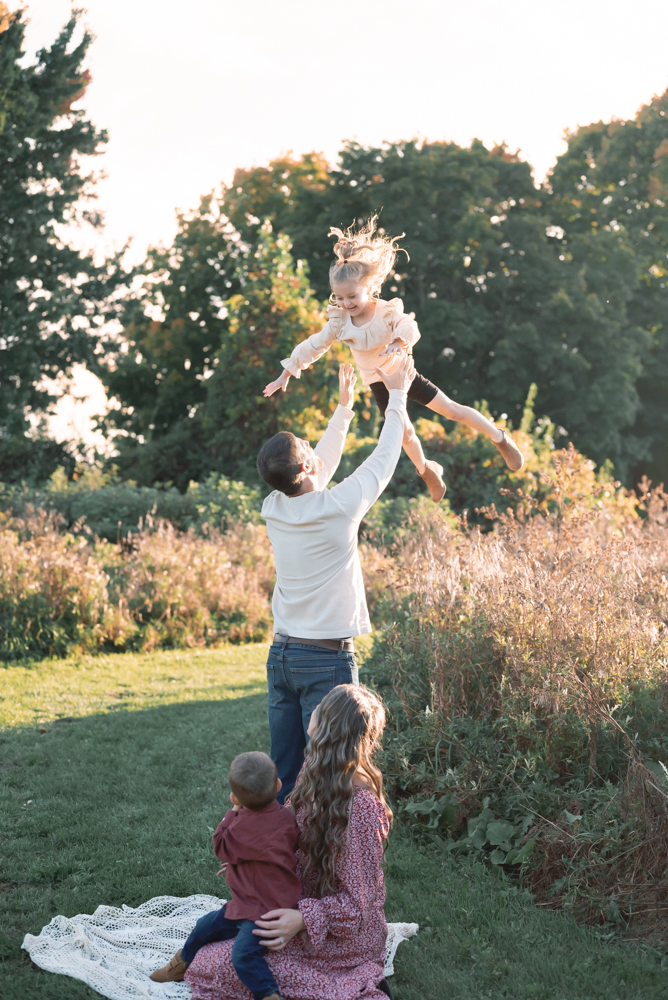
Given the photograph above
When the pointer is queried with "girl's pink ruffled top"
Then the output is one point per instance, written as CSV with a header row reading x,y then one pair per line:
x,y
389,322
340,956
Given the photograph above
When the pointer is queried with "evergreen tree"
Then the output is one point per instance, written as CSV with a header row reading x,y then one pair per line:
x,y
50,295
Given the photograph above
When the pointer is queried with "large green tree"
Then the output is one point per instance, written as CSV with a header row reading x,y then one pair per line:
x,y
273,310
502,297
561,286
611,184
189,381
50,295
156,372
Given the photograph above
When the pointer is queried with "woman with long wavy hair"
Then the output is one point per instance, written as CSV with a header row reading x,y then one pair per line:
x,y
332,947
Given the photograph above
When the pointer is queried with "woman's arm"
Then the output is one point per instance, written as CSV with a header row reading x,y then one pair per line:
x,y
360,876
359,872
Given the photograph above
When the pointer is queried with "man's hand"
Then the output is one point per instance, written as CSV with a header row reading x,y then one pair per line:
x,y
347,381
401,377
280,383
396,347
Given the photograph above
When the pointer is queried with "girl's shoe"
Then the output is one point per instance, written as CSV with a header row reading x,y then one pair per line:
x,y
173,972
433,477
512,455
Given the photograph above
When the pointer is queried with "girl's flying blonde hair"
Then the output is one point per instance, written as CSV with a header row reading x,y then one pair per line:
x,y
363,256
350,724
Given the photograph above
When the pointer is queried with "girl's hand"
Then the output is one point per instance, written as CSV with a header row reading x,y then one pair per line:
x,y
280,383
279,927
396,347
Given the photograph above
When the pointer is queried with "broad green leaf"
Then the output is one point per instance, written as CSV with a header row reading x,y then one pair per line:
x,y
500,832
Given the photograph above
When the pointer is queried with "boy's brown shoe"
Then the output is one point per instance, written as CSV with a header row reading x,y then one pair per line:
x,y
274,996
512,455
433,477
173,972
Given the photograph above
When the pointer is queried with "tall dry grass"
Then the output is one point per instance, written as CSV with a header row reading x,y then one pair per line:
x,y
551,599
528,670
60,592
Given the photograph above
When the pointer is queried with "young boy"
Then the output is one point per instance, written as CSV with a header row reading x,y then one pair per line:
x,y
257,841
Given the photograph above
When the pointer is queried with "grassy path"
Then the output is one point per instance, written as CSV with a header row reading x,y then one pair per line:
x,y
112,777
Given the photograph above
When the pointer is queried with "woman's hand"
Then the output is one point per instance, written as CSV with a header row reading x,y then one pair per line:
x,y
280,383
279,927
396,347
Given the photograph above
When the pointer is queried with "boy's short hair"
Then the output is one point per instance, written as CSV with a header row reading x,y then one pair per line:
x,y
280,464
253,779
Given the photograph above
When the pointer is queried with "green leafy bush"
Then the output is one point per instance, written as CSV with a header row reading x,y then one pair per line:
x,y
109,509
525,670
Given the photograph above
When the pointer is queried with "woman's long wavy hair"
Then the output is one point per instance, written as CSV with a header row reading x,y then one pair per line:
x,y
350,723
365,256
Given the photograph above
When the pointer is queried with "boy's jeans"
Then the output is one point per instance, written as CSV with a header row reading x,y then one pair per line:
x,y
247,952
299,676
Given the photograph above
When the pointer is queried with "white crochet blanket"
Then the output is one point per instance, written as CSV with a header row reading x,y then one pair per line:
x,y
114,950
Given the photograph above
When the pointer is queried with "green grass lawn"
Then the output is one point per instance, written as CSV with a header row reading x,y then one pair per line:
x,y
113,777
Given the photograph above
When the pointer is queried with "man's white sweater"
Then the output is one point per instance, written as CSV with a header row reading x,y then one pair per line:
x,y
319,592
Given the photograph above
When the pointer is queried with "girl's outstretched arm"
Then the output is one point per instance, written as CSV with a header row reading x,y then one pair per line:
x,y
305,354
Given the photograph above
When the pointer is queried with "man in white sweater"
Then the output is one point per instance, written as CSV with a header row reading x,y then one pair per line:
x,y
319,602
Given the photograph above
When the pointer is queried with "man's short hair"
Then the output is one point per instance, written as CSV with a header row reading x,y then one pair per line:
x,y
280,463
253,779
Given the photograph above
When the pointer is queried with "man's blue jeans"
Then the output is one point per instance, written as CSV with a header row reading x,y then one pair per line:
x,y
247,951
299,676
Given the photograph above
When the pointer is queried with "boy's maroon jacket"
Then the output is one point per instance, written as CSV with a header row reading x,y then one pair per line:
x,y
259,847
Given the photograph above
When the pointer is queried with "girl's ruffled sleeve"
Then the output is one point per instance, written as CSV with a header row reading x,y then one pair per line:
x,y
359,873
314,347
403,324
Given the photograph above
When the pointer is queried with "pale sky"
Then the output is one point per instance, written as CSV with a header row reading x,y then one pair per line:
x,y
191,89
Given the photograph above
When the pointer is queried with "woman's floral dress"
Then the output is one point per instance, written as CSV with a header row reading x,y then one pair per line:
x,y
340,955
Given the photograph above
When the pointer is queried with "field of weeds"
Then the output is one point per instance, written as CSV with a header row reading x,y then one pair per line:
x,y
524,665
526,672
157,589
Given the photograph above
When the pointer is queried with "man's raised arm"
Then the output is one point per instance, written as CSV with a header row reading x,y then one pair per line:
x,y
361,490
330,446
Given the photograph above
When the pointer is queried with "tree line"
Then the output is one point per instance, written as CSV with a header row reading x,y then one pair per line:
x,y
560,285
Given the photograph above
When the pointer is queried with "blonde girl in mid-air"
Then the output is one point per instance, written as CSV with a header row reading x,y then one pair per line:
x,y
378,333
